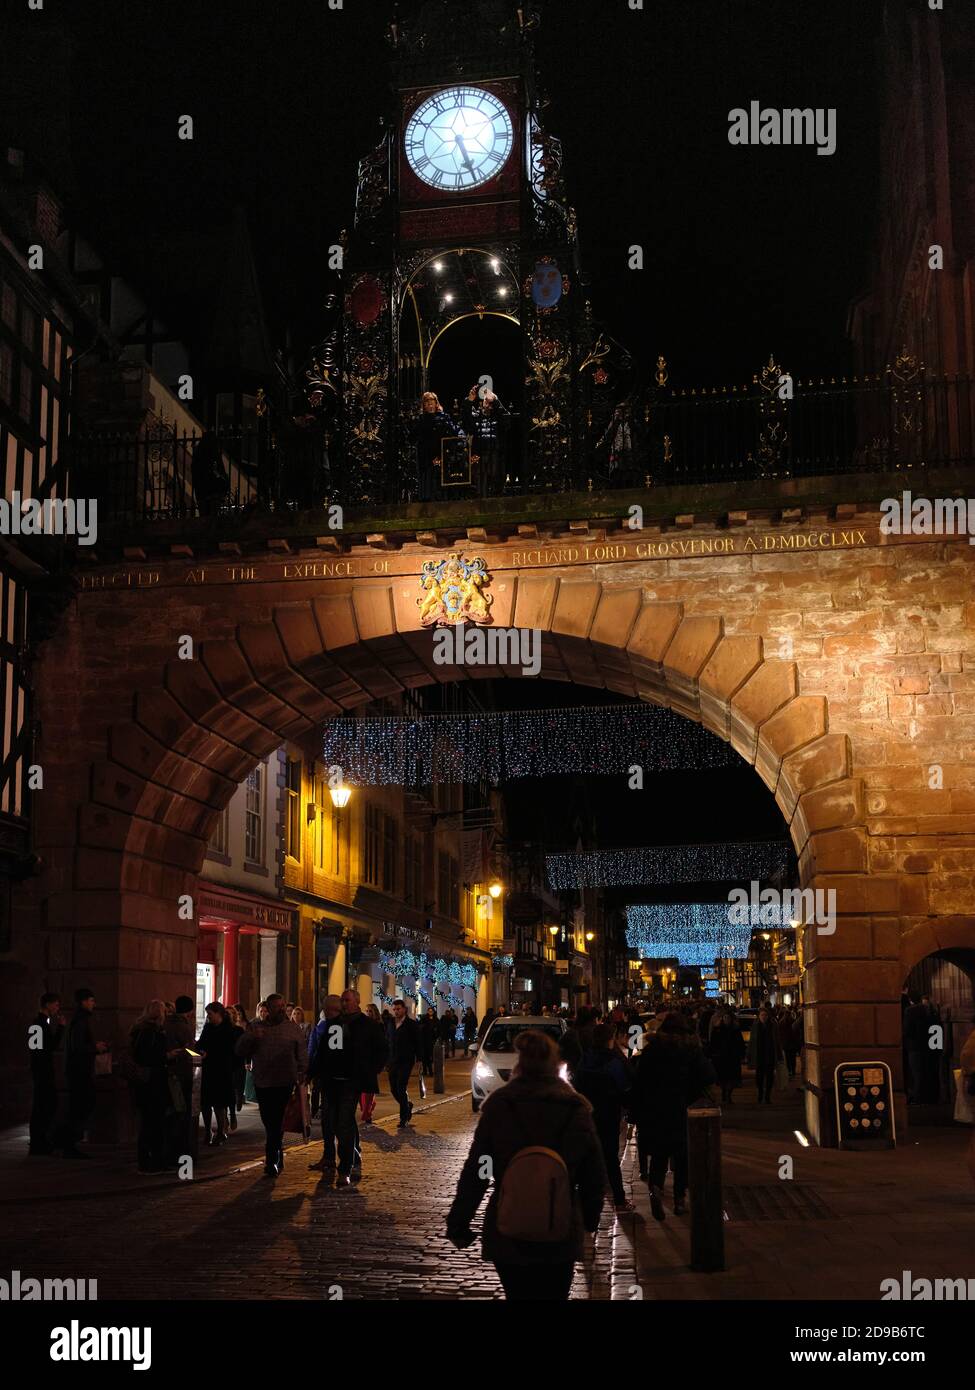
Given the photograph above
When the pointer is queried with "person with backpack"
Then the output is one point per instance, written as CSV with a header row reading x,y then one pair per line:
x,y
604,1079
546,1162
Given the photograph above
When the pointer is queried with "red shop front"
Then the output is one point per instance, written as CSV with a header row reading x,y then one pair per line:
x,y
243,947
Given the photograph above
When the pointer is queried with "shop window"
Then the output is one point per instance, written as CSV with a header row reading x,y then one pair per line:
x,y
8,306
373,846
6,374
319,850
413,871
25,406
390,839
448,885
221,833
292,813
254,816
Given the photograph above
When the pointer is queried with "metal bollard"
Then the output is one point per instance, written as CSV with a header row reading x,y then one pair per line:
x,y
439,1086
704,1180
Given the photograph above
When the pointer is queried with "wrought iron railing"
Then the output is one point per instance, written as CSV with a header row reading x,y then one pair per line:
x,y
778,428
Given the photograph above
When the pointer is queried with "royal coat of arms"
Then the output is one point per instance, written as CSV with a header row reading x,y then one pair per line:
x,y
453,591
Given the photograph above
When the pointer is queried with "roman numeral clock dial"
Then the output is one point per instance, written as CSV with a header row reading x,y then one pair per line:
x,y
459,139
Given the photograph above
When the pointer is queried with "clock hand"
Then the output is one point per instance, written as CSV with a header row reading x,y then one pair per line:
x,y
463,150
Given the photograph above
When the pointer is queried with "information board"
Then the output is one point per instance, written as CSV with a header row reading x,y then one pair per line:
x,y
865,1106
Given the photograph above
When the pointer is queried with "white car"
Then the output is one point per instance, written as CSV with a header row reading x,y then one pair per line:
x,y
496,1056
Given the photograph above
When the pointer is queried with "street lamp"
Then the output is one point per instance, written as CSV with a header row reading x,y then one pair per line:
x,y
340,796
590,936
554,930
495,889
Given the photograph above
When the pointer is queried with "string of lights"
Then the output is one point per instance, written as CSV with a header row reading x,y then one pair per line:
x,y
737,861
404,964
606,740
691,933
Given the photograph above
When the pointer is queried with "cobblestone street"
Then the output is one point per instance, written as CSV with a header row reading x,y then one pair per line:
x,y
845,1222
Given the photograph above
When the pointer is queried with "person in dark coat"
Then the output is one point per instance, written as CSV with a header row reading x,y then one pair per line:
x,y
535,1108
217,1042
485,419
790,1036
238,1021
671,1073
448,1031
429,1027
330,1069
604,1079
428,431
80,1051
147,1045
47,1033
404,1048
486,1022
210,481
470,1030
180,1029
764,1053
726,1048
577,1040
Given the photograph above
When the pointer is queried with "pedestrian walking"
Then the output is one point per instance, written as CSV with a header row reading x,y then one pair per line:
x,y
726,1049
180,1028
549,1179
577,1040
604,1079
428,1038
46,1036
404,1049
790,1036
671,1073
469,1029
330,1069
764,1053
217,1042
238,1021
150,1093
80,1051
364,1055
275,1049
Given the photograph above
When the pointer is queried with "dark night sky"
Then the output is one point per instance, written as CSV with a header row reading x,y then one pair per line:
x,y
748,250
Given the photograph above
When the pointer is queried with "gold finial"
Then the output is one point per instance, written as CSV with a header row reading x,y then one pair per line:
x,y
662,374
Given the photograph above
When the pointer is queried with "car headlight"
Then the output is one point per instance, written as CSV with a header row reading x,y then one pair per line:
x,y
482,1071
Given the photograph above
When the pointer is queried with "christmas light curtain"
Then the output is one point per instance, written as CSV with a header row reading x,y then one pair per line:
x,y
691,933
729,862
607,740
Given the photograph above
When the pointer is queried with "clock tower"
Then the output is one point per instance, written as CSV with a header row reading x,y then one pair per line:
x,y
463,263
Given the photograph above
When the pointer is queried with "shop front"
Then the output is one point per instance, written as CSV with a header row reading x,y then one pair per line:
x,y
245,948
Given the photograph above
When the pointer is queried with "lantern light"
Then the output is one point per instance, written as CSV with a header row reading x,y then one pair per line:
x,y
340,796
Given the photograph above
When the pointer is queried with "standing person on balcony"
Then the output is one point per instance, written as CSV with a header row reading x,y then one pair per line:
x,y
486,420
210,481
428,430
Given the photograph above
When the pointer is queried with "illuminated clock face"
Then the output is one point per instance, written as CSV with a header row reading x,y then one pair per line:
x,y
459,139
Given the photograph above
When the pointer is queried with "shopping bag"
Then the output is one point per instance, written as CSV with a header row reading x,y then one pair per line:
x,y
296,1119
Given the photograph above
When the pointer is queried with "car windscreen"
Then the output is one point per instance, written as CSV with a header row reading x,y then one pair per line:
x,y
501,1037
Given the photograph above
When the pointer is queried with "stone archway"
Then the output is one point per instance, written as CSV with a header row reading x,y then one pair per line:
x,y
162,742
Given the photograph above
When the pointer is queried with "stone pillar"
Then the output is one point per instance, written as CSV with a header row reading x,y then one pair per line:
x,y
337,973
